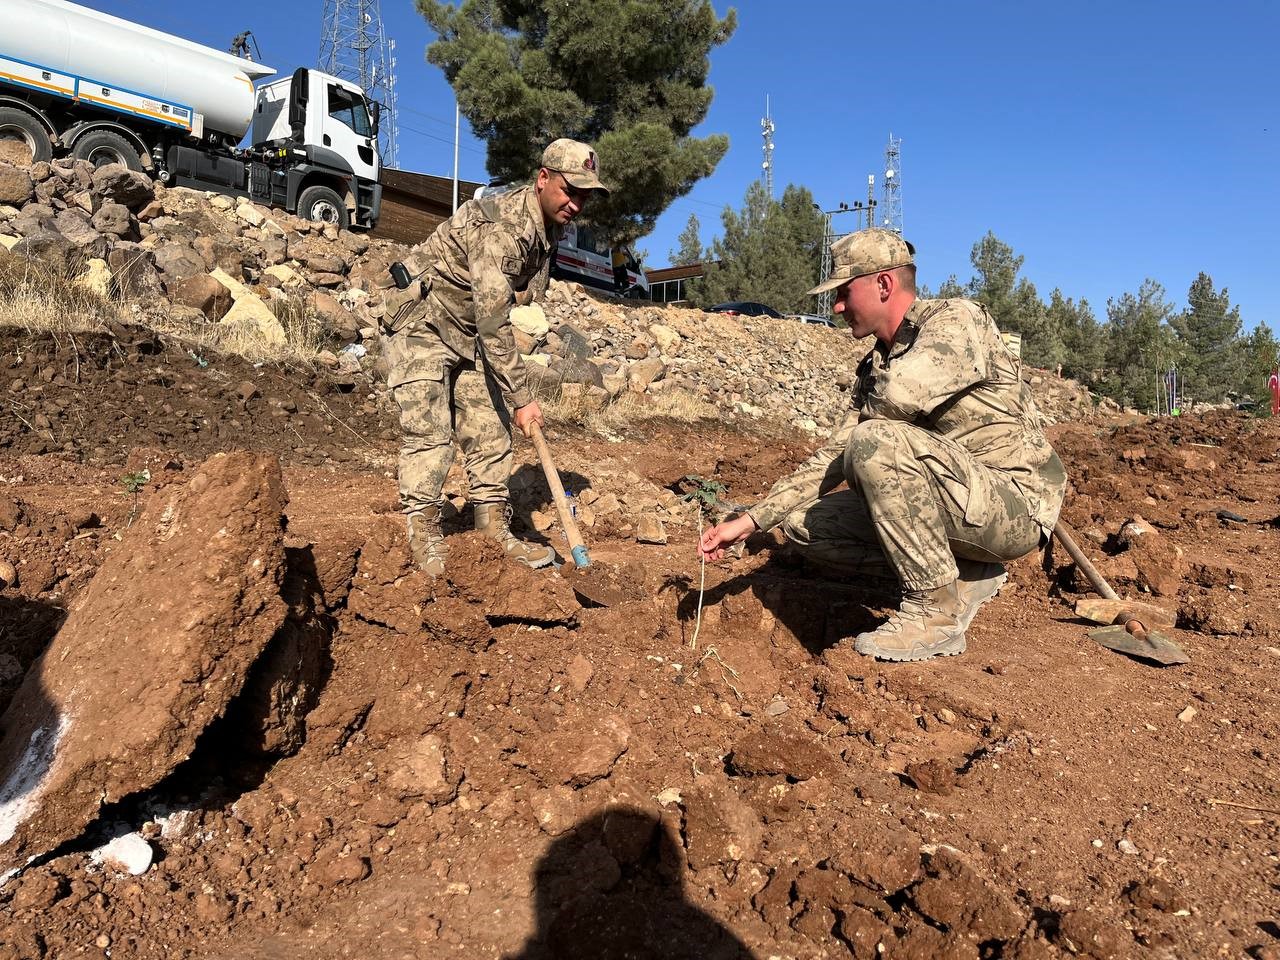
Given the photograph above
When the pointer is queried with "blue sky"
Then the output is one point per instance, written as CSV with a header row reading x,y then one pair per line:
x,y
1106,142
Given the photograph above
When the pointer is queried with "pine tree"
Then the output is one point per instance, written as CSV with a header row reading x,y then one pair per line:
x,y
1261,357
1209,330
770,252
627,76
1141,346
690,244
1014,304
1083,342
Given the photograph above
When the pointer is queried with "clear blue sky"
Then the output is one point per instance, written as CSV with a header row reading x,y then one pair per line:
x,y
1106,142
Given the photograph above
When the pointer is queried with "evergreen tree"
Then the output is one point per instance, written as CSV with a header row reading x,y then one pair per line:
x,y
1209,330
1261,357
1014,303
1083,343
770,252
627,76
690,244
1141,346
951,289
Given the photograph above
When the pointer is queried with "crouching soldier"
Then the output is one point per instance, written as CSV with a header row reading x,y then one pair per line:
x,y
948,474
453,364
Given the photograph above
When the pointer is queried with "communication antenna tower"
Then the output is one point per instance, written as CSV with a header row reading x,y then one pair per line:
x,y
354,46
767,128
891,206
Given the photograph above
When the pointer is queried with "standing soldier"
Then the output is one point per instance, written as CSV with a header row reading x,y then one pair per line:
x,y
949,476
452,355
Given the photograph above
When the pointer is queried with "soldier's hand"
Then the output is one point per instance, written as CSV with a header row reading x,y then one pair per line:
x,y
528,414
715,539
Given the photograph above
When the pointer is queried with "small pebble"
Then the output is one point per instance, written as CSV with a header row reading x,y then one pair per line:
x,y
777,708
1126,846
1187,715
102,942
1098,844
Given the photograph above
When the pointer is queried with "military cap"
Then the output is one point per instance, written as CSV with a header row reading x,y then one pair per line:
x,y
576,161
864,252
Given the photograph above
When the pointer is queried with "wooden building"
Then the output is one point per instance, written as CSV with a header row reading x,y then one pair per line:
x,y
414,204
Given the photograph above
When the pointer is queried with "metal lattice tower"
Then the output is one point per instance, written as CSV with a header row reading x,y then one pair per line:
x,y
354,46
767,128
891,205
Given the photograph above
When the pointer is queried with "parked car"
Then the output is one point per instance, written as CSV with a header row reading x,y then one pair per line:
x,y
812,318
745,308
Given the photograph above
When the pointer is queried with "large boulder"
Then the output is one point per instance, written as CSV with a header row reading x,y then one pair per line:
x,y
177,261
16,186
115,219
153,651
53,250
133,273
117,182
204,293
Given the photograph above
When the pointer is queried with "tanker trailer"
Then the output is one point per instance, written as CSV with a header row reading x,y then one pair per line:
x,y
81,83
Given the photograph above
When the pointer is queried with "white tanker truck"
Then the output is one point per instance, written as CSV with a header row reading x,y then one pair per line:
x,y
79,82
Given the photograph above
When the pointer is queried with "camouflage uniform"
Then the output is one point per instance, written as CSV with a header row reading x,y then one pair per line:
x,y
451,350
942,455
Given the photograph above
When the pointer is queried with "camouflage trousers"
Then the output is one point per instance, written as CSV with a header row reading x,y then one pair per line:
x,y
442,395
915,502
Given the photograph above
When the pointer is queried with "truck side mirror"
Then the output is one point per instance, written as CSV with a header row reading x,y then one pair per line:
x,y
377,116
299,93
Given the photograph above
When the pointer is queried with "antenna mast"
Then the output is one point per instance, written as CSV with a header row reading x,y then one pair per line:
x,y
767,128
891,210
354,46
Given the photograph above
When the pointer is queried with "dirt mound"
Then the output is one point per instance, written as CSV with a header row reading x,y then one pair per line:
x,y
97,397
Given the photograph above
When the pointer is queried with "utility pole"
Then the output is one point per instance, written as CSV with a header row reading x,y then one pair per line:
x,y
767,128
354,46
829,237
891,207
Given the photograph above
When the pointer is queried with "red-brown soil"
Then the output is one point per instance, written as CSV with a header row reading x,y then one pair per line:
x,y
492,769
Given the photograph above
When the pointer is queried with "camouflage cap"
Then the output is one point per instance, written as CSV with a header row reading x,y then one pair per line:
x,y
576,162
864,252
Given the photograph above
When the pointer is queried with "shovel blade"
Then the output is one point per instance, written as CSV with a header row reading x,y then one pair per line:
x,y
601,585
1156,647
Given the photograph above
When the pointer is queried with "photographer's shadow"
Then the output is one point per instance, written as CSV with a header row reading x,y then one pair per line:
x,y
610,889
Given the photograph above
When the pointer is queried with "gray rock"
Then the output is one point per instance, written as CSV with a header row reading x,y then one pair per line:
x,y
16,186
133,273
178,261
129,187
53,250
115,219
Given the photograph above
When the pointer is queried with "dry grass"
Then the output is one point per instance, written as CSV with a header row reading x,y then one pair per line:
x,y
304,335
629,408
38,299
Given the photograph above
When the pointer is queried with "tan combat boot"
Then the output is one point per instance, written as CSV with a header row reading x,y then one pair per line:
x,y
978,583
426,540
492,519
923,626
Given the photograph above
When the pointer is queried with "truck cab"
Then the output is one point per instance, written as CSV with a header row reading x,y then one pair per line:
x,y
331,122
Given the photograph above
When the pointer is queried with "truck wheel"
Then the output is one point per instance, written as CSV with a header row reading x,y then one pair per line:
x,y
323,204
23,138
101,147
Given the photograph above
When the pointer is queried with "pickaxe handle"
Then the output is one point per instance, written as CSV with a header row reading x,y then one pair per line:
x,y
577,548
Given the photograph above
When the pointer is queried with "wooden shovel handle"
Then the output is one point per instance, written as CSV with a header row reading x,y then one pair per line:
x,y
1064,535
577,548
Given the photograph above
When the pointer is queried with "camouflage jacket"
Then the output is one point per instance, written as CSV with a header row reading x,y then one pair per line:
x,y
948,372
471,272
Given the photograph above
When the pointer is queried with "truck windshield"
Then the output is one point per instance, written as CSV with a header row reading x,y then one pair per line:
x,y
349,108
